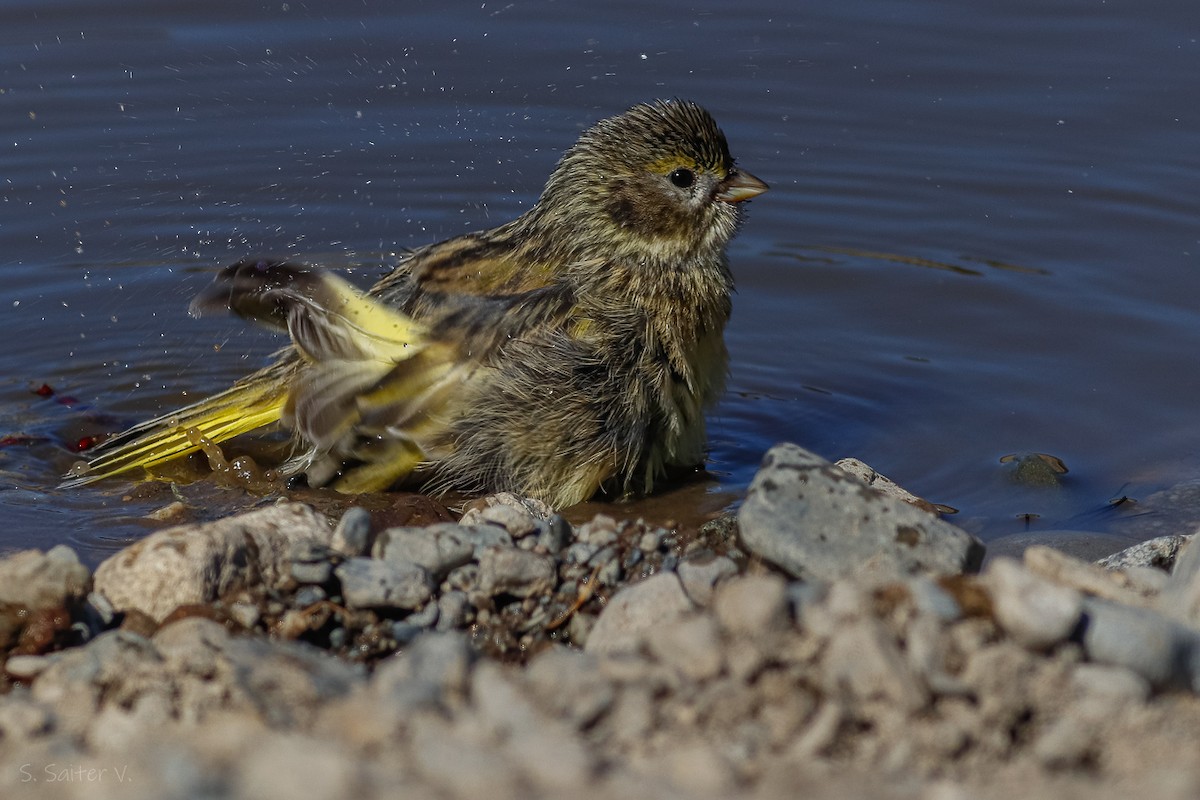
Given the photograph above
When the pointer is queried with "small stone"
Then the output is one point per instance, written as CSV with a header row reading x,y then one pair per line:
x,y
865,659
1159,553
452,610
352,536
245,614
40,581
580,553
1114,684
371,583
569,684
1159,649
1066,570
638,611
507,570
404,632
464,579
310,562
1035,612
651,541
700,575
425,618
435,548
555,535
515,519
815,520
1180,597
308,595
481,537
26,667
692,647
751,604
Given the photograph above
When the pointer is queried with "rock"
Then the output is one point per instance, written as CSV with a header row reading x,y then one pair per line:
x,y
568,683
1160,553
371,583
1180,597
435,548
546,750
433,673
1162,651
507,570
883,484
636,611
555,535
352,536
865,660
691,646
1114,684
752,604
26,667
40,581
700,575
1066,570
516,520
311,562
193,564
481,537
814,520
22,718
1034,611
452,610
292,765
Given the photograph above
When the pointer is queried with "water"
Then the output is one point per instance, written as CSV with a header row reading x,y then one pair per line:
x,y
981,236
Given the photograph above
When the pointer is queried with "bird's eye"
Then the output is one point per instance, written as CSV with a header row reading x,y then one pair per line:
x,y
683,178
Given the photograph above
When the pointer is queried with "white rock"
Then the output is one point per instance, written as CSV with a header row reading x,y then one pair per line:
x,y
1034,611
638,611
193,564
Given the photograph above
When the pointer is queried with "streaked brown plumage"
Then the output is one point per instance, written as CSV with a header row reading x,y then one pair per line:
x,y
572,349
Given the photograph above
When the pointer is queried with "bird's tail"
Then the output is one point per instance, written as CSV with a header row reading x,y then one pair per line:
x,y
358,368
253,403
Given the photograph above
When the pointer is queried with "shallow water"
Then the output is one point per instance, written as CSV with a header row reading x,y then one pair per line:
x,y
981,237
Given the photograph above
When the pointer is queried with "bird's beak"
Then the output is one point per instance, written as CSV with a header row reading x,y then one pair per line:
x,y
739,186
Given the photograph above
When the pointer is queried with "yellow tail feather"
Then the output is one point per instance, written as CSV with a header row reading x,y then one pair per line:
x,y
251,404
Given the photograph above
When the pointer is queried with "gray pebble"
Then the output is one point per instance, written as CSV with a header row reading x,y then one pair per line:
x,y
245,614
371,583
651,540
1162,651
700,576
637,611
507,570
750,604
464,578
482,537
404,632
310,562
555,535
1160,552
516,520
436,548
580,553
352,536
1180,597
308,595
452,610
425,618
